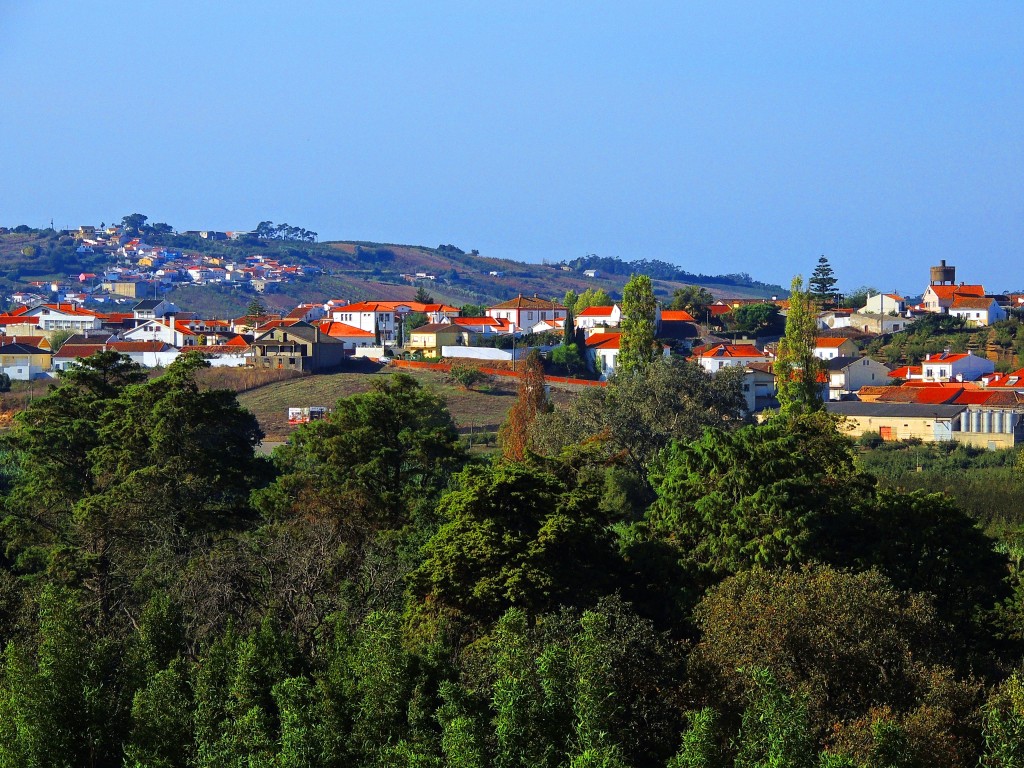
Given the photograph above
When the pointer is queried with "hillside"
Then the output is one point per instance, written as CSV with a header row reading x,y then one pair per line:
x,y
358,271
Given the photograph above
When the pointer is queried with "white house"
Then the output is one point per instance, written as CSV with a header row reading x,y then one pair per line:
x,y
599,317
64,317
834,318
947,366
603,353
878,323
955,367
169,331
524,312
148,354
369,316
885,304
976,311
939,298
484,326
543,326
846,375
715,358
351,336
829,347
153,308
387,315
200,274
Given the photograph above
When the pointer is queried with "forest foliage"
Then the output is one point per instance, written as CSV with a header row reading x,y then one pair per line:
x,y
639,578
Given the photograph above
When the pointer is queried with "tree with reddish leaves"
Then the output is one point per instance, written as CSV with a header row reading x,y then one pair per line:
x,y
531,400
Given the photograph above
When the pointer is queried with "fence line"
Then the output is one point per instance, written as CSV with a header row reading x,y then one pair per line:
x,y
497,372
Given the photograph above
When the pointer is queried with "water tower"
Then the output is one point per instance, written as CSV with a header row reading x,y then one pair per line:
x,y
943,275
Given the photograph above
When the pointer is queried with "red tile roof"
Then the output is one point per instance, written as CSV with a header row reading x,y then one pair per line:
x,y
604,341
341,330
731,350
138,346
950,291
528,302
676,316
905,372
830,341
597,312
72,351
971,302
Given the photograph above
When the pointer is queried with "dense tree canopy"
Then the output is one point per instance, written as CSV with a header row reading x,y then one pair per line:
x,y
647,581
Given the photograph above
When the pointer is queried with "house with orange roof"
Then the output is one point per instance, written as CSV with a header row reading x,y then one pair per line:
x,y
63,317
676,316
939,298
33,340
718,356
1013,380
249,323
957,366
69,354
977,312
593,318
376,317
306,313
677,324
543,326
387,316
602,353
828,347
483,326
169,330
351,336
18,325
525,311
947,367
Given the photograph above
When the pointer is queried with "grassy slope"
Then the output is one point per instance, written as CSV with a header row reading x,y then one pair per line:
x,y
471,409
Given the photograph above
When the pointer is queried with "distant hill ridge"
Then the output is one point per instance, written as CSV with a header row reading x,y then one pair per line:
x,y
359,270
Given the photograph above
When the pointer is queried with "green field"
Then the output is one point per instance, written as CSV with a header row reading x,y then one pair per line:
x,y
481,409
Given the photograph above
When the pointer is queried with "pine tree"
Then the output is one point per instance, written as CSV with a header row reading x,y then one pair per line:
x,y
569,329
823,282
796,368
254,312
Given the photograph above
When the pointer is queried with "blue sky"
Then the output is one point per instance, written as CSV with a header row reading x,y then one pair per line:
x,y
725,137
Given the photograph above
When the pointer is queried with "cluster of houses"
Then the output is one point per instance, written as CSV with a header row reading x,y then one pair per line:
x,y
150,270
949,396
890,313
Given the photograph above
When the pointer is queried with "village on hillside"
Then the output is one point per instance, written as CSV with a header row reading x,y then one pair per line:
x,y
950,395
140,270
